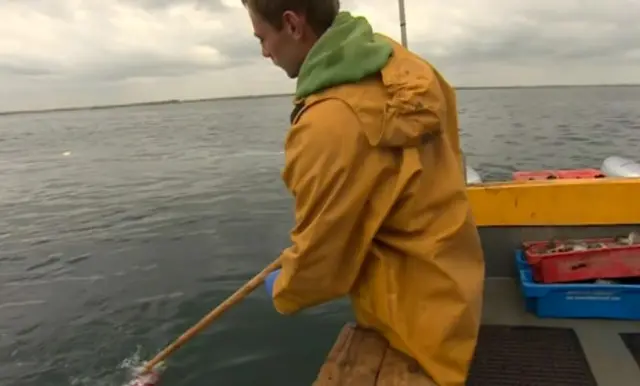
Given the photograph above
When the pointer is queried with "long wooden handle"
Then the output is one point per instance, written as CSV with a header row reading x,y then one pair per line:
x,y
237,296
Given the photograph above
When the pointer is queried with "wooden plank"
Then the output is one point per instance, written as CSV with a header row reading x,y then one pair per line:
x,y
398,369
362,357
354,359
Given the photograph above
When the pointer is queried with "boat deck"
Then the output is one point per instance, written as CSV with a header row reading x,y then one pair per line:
x,y
514,348
610,361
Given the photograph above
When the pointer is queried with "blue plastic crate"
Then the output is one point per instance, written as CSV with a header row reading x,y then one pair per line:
x,y
608,301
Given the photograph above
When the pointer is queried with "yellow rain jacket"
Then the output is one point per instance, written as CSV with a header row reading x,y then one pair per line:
x,y
381,208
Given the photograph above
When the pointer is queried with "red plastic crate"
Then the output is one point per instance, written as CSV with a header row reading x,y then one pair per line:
x,y
534,175
612,262
579,173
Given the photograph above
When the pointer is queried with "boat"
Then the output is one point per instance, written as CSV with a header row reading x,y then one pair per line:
x,y
515,345
518,346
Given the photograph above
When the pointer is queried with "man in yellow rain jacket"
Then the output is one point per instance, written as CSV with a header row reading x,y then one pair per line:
x,y
373,162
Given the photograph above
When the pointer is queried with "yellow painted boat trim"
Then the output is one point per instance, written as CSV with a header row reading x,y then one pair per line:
x,y
610,201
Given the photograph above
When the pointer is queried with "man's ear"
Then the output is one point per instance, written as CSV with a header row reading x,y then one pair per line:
x,y
293,24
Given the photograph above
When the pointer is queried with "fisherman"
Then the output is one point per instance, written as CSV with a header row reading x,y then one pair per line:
x,y
373,161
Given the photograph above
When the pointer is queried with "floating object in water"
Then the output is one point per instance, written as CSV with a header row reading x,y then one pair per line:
x,y
473,177
150,373
66,153
615,166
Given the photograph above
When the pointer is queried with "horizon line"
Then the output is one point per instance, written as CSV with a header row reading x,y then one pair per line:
x,y
260,96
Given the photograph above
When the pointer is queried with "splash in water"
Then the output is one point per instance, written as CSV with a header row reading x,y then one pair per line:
x,y
135,366
128,374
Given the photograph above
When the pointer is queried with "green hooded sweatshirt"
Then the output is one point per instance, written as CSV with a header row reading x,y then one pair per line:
x,y
346,53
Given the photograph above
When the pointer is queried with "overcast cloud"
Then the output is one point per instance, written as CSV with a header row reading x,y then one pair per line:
x,y
72,52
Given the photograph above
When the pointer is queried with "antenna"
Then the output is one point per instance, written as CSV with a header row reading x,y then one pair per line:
x,y
403,23
403,34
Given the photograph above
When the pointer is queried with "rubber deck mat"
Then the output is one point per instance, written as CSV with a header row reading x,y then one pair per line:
x,y
529,356
632,341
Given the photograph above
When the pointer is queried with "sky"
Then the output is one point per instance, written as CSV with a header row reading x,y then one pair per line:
x,y
59,53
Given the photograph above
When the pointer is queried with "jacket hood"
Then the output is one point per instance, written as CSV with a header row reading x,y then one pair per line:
x,y
415,106
349,52
346,53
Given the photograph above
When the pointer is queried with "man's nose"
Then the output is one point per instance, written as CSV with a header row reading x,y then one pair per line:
x,y
265,53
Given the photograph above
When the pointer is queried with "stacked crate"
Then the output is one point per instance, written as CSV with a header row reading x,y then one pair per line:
x,y
589,278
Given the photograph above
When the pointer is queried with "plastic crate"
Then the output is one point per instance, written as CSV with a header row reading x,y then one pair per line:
x,y
571,266
534,175
602,301
579,174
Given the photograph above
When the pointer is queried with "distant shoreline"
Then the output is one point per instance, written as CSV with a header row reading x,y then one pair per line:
x,y
180,101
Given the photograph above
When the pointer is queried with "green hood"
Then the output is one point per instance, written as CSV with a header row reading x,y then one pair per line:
x,y
347,52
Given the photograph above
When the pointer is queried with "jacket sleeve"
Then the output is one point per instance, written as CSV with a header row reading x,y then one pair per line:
x,y
329,171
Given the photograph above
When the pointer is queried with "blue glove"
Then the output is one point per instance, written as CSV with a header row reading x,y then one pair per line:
x,y
270,281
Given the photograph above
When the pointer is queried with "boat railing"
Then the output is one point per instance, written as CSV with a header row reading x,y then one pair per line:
x,y
613,166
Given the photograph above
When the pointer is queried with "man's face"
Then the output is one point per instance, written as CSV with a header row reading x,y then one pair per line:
x,y
284,47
